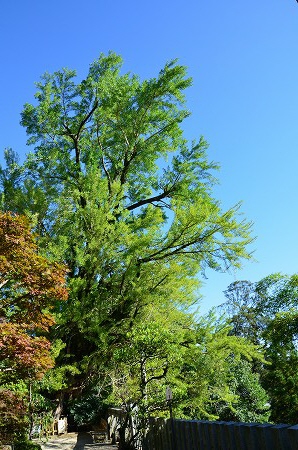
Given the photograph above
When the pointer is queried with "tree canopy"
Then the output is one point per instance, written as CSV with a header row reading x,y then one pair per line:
x,y
119,195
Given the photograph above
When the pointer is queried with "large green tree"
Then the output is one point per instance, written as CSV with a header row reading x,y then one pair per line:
x,y
123,199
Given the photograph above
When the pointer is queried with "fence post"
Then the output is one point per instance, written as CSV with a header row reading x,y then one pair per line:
x,y
196,436
168,435
186,440
293,435
191,442
206,435
230,435
160,433
280,436
199,434
241,435
264,437
249,436
212,437
222,440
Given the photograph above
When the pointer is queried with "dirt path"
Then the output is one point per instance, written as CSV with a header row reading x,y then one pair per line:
x,y
74,441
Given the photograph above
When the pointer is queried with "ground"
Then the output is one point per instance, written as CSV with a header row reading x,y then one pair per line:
x,y
74,441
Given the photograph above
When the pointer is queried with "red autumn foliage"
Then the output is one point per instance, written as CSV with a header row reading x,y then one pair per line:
x,y
29,282
13,420
29,287
24,354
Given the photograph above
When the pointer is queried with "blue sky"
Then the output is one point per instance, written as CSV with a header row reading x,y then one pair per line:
x,y
242,57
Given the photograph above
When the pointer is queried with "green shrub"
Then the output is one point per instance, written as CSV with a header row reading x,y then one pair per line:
x,y
26,445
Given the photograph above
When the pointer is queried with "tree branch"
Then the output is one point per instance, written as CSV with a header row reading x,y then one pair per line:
x,y
179,248
145,201
87,118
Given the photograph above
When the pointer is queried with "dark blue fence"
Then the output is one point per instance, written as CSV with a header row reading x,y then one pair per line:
x,y
206,435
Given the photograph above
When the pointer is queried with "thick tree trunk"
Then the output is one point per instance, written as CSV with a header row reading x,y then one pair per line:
x,y
59,409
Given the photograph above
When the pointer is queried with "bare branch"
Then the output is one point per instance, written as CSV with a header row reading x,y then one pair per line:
x,y
145,201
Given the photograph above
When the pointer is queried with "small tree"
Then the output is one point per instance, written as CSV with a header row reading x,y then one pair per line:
x,y
30,284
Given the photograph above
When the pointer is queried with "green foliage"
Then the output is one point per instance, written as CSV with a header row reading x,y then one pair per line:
x,y
252,401
130,227
208,374
126,202
149,359
86,409
247,319
278,293
26,445
13,420
266,312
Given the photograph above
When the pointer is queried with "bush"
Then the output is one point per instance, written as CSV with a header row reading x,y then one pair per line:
x,y
26,445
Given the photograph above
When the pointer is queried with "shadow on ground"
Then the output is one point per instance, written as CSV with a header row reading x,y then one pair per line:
x,y
82,440
72,441
85,442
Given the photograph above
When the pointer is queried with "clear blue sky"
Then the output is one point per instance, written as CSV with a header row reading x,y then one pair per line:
x,y
243,57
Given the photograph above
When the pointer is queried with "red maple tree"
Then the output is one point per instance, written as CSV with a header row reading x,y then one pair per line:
x,y
29,287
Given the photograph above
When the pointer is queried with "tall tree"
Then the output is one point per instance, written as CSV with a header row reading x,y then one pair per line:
x,y
123,199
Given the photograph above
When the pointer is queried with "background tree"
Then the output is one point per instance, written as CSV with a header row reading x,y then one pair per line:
x,y
279,298
241,306
217,373
266,312
251,401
